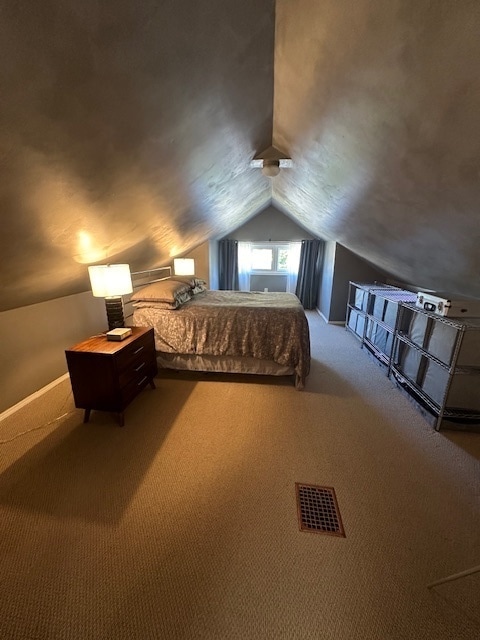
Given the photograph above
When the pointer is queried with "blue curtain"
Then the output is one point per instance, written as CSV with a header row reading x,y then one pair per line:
x,y
228,265
309,270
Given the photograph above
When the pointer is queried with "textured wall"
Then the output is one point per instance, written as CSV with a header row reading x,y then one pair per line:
x,y
34,339
127,128
126,131
378,103
269,224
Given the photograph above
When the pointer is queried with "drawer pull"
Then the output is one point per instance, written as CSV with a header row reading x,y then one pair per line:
x,y
140,366
139,384
137,350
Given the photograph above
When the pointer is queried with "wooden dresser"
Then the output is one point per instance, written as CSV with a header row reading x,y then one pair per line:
x,y
108,375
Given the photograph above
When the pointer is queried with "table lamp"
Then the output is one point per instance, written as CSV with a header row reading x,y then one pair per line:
x,y
184,266
111,281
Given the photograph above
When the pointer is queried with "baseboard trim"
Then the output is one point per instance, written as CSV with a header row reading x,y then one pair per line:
x,y
339,322
16,407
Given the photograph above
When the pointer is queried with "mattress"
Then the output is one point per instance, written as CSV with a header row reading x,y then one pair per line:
x,y
269,327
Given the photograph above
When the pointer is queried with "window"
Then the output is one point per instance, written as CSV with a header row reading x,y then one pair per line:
x,y
265,259
272,258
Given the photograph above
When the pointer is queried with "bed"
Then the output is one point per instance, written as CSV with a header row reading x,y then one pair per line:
x,y
198,329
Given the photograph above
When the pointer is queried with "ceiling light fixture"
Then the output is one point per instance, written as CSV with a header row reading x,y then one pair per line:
x,y
271,168
271,161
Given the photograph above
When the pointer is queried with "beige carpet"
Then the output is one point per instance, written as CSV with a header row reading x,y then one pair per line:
x,y
183,524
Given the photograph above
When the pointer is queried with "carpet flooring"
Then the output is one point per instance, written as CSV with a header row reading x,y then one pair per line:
x,y
183,524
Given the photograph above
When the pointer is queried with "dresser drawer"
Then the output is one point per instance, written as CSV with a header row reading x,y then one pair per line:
x,y
134,353
143,365
134,386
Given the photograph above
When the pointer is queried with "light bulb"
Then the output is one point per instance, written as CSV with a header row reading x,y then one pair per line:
x,y
271,168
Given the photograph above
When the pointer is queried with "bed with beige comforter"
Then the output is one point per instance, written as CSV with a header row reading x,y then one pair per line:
x,y
234,331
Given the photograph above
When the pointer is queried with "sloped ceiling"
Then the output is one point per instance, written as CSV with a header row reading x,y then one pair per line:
x,y
127,128
379,105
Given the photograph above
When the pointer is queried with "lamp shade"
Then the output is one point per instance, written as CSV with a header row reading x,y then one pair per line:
x,y
110,280
184,266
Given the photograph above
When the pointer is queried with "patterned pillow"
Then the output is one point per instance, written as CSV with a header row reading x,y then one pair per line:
x,y
197,284
199,288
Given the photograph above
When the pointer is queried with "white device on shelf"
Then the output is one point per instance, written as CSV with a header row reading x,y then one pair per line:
x,y
444,306
119,334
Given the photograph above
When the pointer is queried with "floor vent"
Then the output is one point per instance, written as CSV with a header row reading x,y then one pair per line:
x,y
318,510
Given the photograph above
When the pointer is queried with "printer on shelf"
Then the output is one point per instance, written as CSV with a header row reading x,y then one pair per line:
x,y
444,305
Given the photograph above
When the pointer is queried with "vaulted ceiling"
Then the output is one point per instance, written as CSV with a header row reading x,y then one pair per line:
x,y
127,128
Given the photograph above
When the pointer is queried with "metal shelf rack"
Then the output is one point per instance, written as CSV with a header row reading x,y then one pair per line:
x,y
434,359
463,365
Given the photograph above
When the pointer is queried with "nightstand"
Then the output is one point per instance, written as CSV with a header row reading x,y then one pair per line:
x,y
107,375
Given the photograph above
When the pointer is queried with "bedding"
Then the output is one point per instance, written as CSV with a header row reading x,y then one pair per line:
x,y
167,293
231,326
197,285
